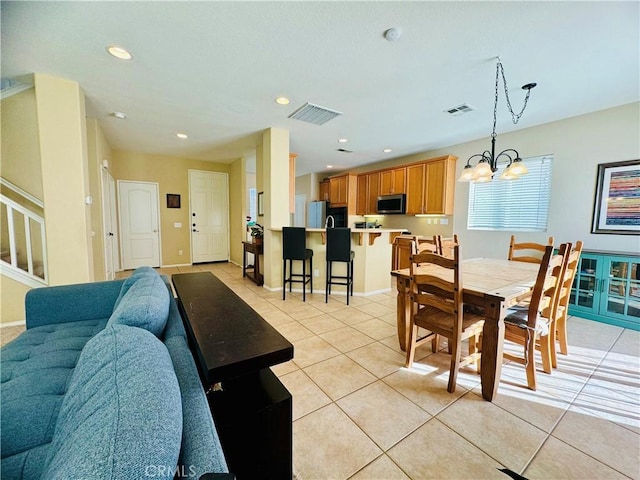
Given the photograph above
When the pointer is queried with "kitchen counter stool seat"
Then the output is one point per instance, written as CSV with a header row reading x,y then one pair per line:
x,y
294,247
339,250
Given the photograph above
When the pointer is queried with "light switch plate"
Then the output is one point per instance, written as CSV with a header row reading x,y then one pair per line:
x,y
177,225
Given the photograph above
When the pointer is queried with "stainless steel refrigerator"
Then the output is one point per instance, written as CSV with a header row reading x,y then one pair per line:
x,y
316,214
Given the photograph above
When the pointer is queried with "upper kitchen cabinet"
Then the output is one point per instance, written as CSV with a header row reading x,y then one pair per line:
x,y
343,191
368,191
324,190
430,186
393,181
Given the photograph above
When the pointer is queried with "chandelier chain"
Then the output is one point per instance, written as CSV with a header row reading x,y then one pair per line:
x,y
514,117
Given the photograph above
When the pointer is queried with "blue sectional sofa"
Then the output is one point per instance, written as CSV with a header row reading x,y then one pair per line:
x,y
102,385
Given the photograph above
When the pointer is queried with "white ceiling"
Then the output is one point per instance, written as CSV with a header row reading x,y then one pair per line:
x,y
213,69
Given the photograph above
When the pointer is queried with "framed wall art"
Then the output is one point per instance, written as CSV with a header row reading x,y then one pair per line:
x,y
173,200
616,208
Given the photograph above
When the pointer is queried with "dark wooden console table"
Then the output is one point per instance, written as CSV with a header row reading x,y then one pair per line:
x,y
257,250
234,347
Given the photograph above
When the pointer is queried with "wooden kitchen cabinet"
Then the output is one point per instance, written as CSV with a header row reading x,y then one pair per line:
x,y
324,190
392,181
440,182
338,189
373,192
368,191
363,190
430,186
367,194
415,188
343,191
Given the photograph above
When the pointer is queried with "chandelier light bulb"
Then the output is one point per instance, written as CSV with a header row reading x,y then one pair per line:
x,y
467,174
483,169
518,167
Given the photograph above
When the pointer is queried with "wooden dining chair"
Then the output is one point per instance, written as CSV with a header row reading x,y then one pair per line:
x,y
403,247
445,245
533,252
436,296
564,294
425,244
530,324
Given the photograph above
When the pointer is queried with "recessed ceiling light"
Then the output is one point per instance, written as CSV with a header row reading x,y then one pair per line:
x,y
386,150
120,115
182,135
282,101
119,52
342,140
329,166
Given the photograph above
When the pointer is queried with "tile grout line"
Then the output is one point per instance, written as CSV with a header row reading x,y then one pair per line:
x,y
571,403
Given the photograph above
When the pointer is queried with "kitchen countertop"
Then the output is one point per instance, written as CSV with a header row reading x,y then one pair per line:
x,y
373,233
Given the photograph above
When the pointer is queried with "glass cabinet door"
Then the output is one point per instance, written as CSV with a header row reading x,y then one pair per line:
x,y
621,289
585,284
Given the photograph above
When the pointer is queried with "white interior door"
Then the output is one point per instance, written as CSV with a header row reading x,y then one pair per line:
x,y
209,204
110,224
139,224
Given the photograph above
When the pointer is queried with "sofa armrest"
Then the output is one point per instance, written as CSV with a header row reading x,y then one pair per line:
x,y
201,449
71,303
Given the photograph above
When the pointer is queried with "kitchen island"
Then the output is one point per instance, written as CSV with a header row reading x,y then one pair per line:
x,y
371,264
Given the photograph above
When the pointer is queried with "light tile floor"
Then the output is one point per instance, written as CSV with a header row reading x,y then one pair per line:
x,y
359,414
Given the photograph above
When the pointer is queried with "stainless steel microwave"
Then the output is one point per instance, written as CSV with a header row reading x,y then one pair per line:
x,y
392,204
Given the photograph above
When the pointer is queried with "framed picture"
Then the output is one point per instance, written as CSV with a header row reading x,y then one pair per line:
x,y
260,204
616,208
173,200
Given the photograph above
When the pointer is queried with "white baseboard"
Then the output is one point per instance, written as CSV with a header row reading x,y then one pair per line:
x,y
342,293
176,265
13,324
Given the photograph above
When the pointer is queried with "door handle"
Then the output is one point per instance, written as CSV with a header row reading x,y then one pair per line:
x,y
155,230
110,234
196,230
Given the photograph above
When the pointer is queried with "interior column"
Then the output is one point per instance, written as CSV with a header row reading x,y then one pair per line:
x,y
273,174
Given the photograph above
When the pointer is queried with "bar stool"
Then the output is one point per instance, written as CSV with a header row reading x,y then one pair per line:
x,y
339,250
294,247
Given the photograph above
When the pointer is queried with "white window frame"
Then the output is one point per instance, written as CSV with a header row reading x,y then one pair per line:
x,y
513,205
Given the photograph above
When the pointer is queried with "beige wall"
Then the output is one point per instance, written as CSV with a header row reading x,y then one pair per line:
x,y
63,154
578,144
98,150
172,176
308,185
20,164
10,309
20,160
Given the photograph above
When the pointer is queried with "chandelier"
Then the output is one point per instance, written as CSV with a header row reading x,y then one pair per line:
x,y
488,160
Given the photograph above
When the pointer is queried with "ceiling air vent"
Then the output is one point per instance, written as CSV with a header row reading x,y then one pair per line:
x,y
314,114
460,109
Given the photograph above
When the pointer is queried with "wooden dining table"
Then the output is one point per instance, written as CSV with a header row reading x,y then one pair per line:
x,y
490,283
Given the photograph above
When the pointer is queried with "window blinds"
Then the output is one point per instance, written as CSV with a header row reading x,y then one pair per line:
x,y
514,205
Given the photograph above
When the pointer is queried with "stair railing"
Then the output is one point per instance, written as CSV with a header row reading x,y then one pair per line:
x,y
12,267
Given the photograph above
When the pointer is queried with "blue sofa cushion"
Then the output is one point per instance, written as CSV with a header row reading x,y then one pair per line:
x,y
36,370
145,305
122,415
138,273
